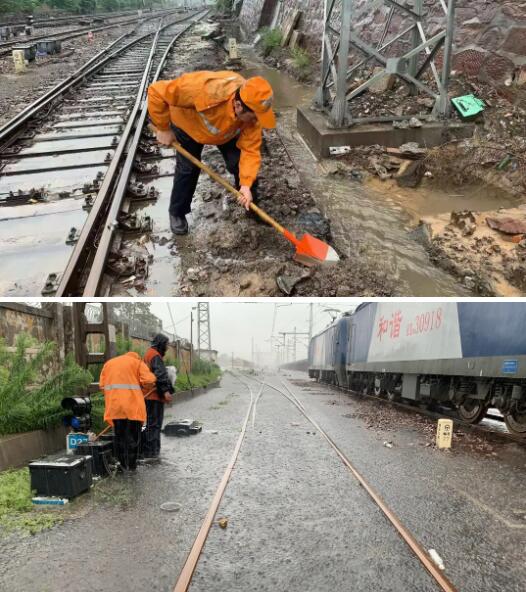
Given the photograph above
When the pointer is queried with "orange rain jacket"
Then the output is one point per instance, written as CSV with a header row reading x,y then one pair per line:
x,y
123,380
200,103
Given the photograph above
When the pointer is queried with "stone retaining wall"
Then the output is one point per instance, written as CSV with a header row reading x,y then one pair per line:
x,y
490,35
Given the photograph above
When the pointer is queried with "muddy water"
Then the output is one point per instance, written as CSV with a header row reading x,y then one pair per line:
x,y
429,200
361,217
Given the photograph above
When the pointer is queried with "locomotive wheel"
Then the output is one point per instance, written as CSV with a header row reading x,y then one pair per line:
x,y
472,410
516,423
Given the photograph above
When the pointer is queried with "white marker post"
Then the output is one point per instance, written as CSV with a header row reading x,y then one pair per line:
x,y
19,60
232,49
444,433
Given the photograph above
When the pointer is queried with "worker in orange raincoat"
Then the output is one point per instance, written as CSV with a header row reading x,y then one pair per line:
x,y
219,108
125,381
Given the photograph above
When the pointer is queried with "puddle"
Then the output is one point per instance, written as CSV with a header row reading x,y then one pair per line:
x,y
428,200
288,92
360,215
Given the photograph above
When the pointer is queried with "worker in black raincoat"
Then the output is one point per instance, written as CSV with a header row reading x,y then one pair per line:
x,y
156,400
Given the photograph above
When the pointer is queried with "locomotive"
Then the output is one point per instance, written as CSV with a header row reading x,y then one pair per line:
x,y
468,356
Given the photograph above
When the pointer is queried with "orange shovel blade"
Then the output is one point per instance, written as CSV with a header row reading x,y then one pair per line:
x,y
312,251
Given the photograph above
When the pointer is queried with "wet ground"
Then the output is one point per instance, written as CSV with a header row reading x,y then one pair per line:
x,y
297,519
227,255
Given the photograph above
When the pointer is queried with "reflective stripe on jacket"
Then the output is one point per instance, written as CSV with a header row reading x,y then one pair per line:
x,y
200,103
123,380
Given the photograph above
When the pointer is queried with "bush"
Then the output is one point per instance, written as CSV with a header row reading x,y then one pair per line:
x,y
270,40
30,397
301,61
224,5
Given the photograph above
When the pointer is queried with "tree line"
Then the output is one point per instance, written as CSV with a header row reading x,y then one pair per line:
x,y
72,6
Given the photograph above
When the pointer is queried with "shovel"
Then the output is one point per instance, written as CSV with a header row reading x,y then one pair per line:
x,y
309,249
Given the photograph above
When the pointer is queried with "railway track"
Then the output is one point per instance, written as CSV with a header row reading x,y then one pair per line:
x,y
65,165
59,21
7,46
488,431
185,578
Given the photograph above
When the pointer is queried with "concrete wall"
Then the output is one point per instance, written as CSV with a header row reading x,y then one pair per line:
x,y
490,34
17,449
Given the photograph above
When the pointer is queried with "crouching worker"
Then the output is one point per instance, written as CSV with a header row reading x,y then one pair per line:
x,y
218,108
155,401
125,380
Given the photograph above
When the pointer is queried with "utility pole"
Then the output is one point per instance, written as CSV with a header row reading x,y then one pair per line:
x,y
191,338
294,341
203,327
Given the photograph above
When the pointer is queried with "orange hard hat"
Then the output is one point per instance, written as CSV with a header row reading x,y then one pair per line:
x,y
257,95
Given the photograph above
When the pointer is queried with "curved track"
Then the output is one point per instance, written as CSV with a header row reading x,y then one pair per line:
x,y
65,164
185,578
7,46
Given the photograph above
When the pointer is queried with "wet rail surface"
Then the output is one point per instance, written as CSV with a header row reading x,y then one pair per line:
x,y
54,171
184,580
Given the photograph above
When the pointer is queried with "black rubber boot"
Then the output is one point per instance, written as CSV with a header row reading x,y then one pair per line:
x,y
178,225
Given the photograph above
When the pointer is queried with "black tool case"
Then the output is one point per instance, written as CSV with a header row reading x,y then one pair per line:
x,y
101,455
184,427
61,475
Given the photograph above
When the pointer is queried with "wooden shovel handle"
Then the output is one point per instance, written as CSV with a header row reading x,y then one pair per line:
x,y
257,210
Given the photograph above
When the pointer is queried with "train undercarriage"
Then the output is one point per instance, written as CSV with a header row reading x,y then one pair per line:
x,y
468,396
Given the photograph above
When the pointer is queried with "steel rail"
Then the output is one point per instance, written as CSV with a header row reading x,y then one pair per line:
x,y
76,266
42,22
22,116
90,67
434,415
94,279
187,572
5,48
406,535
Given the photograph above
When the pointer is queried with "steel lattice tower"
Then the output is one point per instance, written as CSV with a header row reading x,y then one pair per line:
x,y
204,342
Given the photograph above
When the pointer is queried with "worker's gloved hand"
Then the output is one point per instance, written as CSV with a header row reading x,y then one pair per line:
x,y
165,137
168,397
246,196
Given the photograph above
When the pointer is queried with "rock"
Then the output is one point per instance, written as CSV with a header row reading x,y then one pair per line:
x,y
287,283
411,175
246,283
414,122
383,83
192,274
292,183
507,225
314,222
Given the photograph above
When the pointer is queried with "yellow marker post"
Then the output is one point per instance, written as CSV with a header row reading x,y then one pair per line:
x,y
444,433
19,60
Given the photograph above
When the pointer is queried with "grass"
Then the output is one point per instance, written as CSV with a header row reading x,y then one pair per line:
x,y
31,393
17,513
302,62
270,40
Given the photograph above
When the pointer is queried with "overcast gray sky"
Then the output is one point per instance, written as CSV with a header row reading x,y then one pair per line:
x,y
233,324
